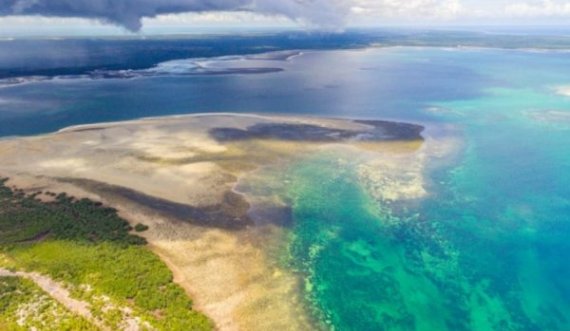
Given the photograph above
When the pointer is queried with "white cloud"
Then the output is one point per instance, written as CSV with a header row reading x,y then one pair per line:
x,y
278,13
406,10
545,8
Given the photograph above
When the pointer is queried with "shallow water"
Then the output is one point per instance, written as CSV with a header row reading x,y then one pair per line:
x,y
455,263
485,250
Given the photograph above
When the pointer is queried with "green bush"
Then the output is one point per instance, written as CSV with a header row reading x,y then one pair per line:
x,y
81,242
141,227
17,294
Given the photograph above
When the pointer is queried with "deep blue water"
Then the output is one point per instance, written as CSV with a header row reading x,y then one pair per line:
x,y
366,83
393,83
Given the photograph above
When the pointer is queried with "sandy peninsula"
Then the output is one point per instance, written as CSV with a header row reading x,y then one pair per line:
x,y
182,175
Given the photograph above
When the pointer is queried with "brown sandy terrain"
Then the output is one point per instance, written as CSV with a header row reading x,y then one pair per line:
x,y
178,175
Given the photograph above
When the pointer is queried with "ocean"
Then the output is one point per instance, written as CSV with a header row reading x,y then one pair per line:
x,y
486,249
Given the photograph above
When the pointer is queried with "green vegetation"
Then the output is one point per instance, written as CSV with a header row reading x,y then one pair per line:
x,y
141,228
89,248
21,299
24,218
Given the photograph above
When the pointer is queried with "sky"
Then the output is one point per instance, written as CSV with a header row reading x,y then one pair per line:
x,y
149,16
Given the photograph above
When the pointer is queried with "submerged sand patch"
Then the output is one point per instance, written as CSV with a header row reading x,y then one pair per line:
x,y
178,175
563,90
553,118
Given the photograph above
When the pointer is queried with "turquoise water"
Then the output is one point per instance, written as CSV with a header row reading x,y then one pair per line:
x,y
362,265
487,249
462,261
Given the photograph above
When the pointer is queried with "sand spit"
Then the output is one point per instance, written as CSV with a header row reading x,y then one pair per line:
x,y
178,175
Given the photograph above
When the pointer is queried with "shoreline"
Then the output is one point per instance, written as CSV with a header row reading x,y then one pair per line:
x,y
191,162
261,116
284,55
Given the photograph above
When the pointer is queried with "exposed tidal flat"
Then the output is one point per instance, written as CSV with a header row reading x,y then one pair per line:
x,y
220,195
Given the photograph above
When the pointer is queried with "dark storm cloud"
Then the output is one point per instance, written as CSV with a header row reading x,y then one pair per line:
x,y
128,13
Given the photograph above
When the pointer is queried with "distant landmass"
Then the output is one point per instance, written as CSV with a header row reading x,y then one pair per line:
x,y
77,56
